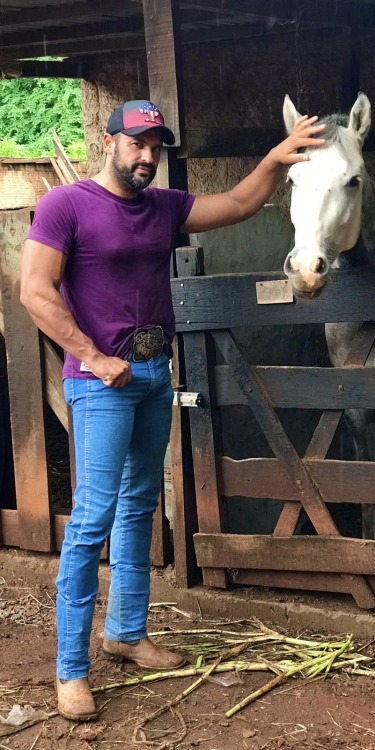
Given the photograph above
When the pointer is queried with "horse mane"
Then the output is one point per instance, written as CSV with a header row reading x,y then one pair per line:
x,y
337,134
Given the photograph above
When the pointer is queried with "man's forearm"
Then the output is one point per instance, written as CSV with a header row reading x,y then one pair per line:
x,y
50,314
255,189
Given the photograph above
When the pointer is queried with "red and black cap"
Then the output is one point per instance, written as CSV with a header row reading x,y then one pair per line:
x,y
136,117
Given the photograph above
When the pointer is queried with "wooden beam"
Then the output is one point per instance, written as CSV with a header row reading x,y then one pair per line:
x,y
165,86
161,552
254,8
53,379
291,464
211,507
9,528
329,421
339,481
25,392
77,48
63,14
292,579
185,521
302,553
52,69
312,498
304,387
62,155
61,34
160,24
229,300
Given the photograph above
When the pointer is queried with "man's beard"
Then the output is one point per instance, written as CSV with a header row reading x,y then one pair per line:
x,y
126,177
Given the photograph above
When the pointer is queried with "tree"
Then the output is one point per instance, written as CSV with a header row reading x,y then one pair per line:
x,y
30,107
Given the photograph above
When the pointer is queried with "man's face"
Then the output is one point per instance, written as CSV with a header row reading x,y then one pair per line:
x,y
135,159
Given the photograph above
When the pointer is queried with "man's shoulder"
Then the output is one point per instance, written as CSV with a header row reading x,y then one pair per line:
x,y
166,195
63,195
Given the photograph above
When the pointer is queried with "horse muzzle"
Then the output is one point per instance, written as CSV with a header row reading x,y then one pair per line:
x,y
307,276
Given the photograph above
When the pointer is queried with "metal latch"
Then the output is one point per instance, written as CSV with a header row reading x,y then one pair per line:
x,y
187,399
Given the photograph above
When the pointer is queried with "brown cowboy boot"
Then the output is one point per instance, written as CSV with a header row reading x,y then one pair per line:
x,y
144,653
74,700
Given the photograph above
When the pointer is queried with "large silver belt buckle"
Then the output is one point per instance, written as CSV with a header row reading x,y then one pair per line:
x,y
148,344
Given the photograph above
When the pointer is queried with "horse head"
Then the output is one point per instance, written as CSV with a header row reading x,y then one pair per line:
x,y
326,201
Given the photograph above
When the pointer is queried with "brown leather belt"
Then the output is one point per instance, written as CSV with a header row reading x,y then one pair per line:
x,y
148,343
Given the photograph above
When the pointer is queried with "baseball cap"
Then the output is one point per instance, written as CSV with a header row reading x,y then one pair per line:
x,y
138,116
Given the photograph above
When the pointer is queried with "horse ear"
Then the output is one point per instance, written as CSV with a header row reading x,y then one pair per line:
x,y
290,114
360,117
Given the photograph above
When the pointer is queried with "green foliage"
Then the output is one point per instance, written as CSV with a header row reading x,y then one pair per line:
x,y
31,107
77,150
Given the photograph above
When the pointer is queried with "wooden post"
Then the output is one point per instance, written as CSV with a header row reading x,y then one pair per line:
x,y
25,392
163,48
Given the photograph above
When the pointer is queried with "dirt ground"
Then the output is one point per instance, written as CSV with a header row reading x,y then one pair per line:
x,y
338,712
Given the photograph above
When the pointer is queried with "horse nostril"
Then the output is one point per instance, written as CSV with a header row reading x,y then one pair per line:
x,y
322,266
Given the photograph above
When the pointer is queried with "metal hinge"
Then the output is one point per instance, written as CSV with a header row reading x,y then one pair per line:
x,y
187,399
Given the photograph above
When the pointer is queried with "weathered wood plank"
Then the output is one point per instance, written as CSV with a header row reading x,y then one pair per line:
x,y
324,433
59,172
229,301
160,29
25,392
60,522
304,387
54,389
9,527
311,497
161,553
302,553
292,466
63,159
185,521
339,481
292,579
210,506
161,26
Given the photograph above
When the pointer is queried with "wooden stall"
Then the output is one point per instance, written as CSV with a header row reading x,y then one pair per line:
x,y
207,308
212,306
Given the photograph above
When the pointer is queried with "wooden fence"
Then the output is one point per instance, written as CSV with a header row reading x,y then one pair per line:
x,y
207,308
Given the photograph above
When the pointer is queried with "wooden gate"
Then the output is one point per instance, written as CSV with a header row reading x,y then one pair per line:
x,y
207,308
34,377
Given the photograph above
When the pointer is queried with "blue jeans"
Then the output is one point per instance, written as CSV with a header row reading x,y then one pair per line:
x,y
120,437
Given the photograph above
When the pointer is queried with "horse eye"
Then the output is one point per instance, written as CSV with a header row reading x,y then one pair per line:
x,y
354,182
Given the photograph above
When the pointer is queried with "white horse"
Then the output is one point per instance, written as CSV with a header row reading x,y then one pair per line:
x,y
333,212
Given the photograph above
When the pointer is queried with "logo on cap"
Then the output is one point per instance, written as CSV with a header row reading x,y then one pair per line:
x,y
153,113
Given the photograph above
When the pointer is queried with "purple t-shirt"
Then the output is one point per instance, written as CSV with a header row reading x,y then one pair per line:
x,y
117,276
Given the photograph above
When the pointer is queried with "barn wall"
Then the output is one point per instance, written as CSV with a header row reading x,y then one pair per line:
x,y
242,84
21,181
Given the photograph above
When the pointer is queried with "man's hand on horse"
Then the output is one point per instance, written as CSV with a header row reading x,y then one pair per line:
x,y
302,136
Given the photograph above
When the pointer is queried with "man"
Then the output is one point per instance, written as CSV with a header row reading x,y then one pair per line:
x,y
95,278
